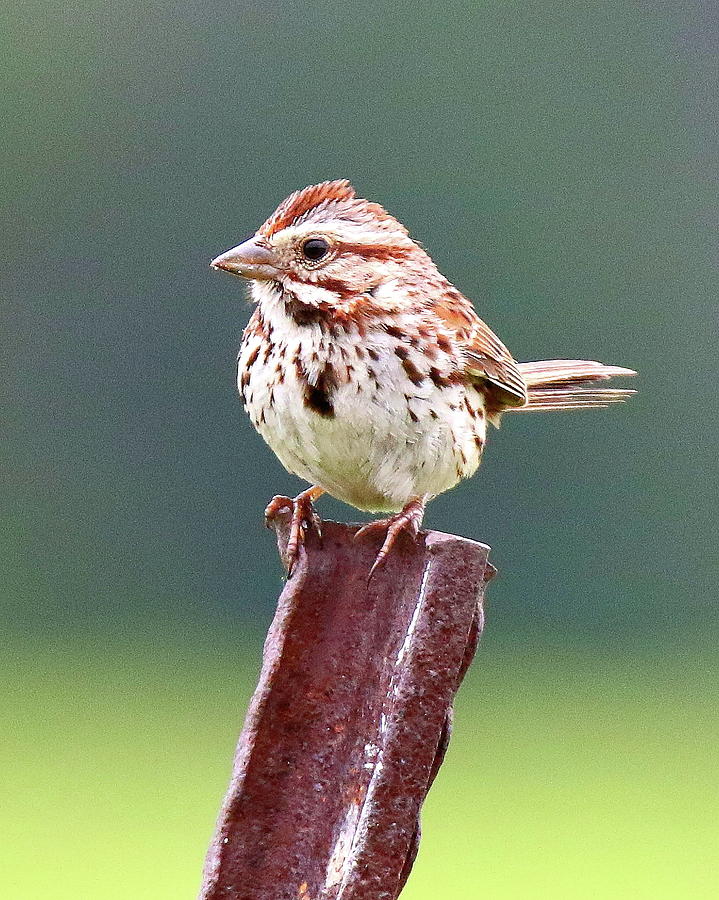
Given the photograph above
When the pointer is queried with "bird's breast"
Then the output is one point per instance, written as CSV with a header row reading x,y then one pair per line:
x,y
369,417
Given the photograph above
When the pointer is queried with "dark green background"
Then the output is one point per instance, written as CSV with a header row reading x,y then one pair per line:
x,y
558,159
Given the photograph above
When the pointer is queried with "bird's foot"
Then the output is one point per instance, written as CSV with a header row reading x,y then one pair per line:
x,y
408,520
304,516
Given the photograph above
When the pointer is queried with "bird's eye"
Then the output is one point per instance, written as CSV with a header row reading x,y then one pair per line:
x,y
314,249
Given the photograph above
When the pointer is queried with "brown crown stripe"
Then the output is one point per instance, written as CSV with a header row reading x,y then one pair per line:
x,y
301,202
331,200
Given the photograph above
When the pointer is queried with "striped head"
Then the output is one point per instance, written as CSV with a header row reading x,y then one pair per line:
x,y
325,245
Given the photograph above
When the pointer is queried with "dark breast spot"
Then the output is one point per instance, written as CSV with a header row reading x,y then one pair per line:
x,y
437,377
302,313
319,401
319,397
244,382
413,373
252,358
444,343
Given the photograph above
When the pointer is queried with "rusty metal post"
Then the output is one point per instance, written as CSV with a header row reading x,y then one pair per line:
x,y
350,720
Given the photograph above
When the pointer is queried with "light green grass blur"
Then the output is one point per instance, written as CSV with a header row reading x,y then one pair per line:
x,y
570,774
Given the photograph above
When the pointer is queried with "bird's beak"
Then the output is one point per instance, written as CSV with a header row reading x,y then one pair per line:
x,y
248,260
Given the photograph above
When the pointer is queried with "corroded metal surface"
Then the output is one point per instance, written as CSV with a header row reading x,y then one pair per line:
x,y
350,719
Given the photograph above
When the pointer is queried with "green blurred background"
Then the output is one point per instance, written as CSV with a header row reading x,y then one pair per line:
x,y
559,160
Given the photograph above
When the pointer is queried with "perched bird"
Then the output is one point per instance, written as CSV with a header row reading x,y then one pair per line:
x,y
367,372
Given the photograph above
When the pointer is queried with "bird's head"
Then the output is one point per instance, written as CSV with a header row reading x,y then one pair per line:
x,y
325,245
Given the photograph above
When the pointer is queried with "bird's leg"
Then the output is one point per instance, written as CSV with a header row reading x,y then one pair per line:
x,y
304,516
409,519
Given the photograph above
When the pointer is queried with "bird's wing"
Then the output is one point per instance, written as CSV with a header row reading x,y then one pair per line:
x,y
486,359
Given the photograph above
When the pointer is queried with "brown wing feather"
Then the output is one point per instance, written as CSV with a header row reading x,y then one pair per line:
x,y
486,359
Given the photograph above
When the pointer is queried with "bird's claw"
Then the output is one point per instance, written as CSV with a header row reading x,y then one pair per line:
x,y
408,520
303,517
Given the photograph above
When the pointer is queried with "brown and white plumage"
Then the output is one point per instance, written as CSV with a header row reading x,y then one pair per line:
x,y
365,370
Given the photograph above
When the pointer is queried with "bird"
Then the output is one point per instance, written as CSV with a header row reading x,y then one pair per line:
x,y
368,373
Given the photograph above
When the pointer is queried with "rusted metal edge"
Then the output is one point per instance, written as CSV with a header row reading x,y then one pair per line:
x,y
350,719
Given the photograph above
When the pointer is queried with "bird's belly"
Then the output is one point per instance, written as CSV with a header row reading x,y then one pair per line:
x,y
372,446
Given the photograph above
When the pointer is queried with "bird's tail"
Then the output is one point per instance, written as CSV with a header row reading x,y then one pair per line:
x,y
570,384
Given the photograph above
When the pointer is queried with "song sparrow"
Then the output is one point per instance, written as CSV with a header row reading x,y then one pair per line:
x,y
367,372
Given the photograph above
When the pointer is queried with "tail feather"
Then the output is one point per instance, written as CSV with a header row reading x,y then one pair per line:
x,y
570,384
